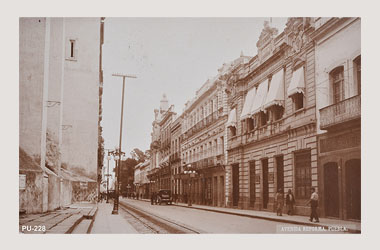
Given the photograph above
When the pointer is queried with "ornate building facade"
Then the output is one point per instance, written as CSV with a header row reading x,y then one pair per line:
x,y
175,157
159,172
203,140
272,143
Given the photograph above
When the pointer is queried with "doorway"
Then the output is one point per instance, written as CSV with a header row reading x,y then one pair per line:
x,y
252,184
235,184
264,164
331,189
215,198
353,189
280,172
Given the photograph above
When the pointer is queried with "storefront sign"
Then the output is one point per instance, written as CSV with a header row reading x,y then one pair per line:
x,y
340,142
22,181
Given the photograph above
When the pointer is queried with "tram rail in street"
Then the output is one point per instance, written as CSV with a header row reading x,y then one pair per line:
x,y
154,224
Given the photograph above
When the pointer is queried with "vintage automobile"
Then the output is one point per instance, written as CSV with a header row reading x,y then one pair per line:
x,y
164,196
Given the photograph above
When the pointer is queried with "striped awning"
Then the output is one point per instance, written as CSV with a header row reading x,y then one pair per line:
x,y
261,94
246,112
276,90
231,122
297,84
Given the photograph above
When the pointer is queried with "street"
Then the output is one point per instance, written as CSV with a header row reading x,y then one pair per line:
x,y
200,221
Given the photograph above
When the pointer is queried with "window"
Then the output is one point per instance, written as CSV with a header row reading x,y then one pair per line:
x,y
263,118
298,101
250,124
232,131
71,53
337,80
303,174
357,73
222,144
276,112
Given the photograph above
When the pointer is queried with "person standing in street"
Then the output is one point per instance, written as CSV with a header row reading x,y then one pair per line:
x,y
290,201
280,201
314,205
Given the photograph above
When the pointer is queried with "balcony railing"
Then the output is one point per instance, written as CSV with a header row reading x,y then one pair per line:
x,y
209,162
210,119
344,111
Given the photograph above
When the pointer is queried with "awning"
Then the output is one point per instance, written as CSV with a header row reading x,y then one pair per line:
x,y
276,90
261,94
297,85
231,122
246,112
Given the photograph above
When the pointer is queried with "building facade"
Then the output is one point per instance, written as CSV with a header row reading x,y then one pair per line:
x,y
288,118
338,104
272,143
175,158
60,73
159,172
203,141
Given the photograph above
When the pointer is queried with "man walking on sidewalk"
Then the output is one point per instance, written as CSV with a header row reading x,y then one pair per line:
x,y
279,201
314,205
290,201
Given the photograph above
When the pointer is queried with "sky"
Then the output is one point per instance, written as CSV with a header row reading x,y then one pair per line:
x,y
175,56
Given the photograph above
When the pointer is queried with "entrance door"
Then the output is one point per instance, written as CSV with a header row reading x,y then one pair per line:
x,y
264,164
353,189
235,184
280,172
331,189
215,196
222,191
252,184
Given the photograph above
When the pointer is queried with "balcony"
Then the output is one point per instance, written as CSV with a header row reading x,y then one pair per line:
x,y
342,112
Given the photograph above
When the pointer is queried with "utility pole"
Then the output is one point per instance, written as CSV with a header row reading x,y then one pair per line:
x,y
116,203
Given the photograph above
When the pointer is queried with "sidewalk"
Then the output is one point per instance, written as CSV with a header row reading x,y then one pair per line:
x,y
108,223
60,221
350,226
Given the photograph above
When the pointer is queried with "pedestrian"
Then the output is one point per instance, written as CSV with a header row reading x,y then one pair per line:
x,y
279,201
290,201
152,198
185,197
314,205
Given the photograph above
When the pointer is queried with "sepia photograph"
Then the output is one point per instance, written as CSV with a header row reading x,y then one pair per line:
x,y
190,125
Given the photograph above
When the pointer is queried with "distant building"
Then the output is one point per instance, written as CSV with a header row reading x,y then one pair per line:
x,y
160,146
60,77
175,163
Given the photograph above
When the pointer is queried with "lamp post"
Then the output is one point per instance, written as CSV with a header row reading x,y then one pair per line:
x,y
116,203
191,172
108,173
117,155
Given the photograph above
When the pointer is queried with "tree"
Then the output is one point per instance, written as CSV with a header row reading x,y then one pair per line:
x,y
127,174
138,155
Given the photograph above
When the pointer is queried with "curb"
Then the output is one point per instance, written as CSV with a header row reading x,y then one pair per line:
x,y
349,230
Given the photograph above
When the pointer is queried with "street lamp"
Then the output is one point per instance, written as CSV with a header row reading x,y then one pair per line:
x,y
117,155
191,172
116,203
108,173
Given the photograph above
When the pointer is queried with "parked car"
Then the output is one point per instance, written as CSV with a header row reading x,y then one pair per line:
x,y
164,196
